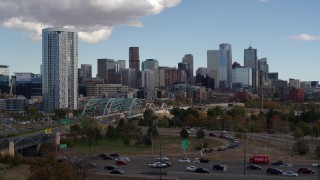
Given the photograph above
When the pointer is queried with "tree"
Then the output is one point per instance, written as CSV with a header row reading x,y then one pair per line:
x,y
304,127
200,134
316,152
147,140
153,131
147,116
301,147
184,133
111,132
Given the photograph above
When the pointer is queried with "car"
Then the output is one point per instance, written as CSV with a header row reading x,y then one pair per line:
x,y
316,165
196,160
120,162
125,159
114,155
157,165
201,170
232,145
203,160
183,160
286,165
253,167
277,163
191,168
221,148
168,163
290,174
305,170
92,164
107,158
219,167
116,171
212,134
207,150
164,158
236,141
274,171
110,167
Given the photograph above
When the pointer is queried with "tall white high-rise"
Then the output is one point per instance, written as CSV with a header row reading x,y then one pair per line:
x,y
59,68
225,66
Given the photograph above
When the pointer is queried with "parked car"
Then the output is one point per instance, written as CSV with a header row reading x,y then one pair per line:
x,y
120,162
201,170
157,165
184,160
274,171
290,174
305,170
116,171
191,168
219,167
212,134
232,145
253,167
277,163
110,167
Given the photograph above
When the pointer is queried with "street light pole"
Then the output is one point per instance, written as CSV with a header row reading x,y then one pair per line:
x,y
161,163
244,154
318,152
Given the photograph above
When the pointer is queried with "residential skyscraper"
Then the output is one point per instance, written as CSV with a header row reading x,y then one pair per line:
x,y
59,68
134,61
250,60
225,66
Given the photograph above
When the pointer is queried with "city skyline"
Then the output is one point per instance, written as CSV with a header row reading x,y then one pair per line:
x,y
285,32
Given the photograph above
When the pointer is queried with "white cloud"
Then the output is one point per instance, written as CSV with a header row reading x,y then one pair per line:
x,y
304,37
93,19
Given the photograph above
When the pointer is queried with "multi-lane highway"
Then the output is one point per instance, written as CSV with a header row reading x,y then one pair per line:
x,y
139,165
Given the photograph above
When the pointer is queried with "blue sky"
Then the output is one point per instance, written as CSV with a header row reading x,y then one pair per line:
x,y
287,32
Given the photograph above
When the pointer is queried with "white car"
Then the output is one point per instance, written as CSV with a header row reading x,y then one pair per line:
x,y
125,159
164,158
290,174
286,165
316,165
191,168
196,160
157,165
183,160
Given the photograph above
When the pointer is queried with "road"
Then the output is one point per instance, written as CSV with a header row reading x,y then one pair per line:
x,y
139,164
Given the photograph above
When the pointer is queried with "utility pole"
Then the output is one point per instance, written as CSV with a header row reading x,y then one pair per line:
x,y
161,163
244,156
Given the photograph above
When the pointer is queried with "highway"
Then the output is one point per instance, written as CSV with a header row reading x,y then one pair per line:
x,y
139,164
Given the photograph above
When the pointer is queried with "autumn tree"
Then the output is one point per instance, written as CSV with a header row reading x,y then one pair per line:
x,y
184,133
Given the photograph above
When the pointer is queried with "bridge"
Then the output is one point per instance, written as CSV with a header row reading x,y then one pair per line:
x,y
11,145
110,107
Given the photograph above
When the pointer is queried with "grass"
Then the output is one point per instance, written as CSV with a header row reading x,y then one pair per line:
x,y
170,144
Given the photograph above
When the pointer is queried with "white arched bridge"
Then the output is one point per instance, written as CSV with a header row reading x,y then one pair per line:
x,y
108,107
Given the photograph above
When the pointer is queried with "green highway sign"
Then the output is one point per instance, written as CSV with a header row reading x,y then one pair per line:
x,y
185,144
63,146
64,121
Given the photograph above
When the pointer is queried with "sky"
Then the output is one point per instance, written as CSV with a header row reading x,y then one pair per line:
x,y
286,32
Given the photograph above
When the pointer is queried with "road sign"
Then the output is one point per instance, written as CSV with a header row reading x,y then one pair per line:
x,y
64,121
63,146
185,144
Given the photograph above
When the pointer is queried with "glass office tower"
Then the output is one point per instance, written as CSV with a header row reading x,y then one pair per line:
x,y
59,68
225,66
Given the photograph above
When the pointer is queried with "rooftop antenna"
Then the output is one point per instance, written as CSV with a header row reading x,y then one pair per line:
x,y
250,43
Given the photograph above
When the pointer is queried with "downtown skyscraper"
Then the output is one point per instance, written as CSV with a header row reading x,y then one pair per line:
x,y
59,68
225,66
250,60
134,61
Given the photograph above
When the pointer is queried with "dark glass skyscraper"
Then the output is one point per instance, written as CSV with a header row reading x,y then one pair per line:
x,y
250,60
134,61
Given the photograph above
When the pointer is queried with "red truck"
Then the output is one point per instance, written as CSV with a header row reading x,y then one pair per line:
x,y
259,159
